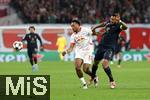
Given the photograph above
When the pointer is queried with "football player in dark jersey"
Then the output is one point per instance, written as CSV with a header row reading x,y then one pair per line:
x,y
32,47
107,46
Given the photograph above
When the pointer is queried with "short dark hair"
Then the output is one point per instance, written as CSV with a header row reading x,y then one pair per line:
x,y
32,27
76,21
115,14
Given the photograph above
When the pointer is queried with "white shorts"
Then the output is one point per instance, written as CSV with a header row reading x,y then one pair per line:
x,y
87,57
86,54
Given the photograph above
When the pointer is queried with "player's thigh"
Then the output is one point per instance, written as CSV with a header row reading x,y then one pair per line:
x,y
88,58
98,57
78,63
29,53
34,52
107,57
108,54
86,66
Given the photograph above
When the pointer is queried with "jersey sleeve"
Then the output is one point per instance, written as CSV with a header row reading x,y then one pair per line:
x,y
24,38
72,40
105,23
39,39
89,31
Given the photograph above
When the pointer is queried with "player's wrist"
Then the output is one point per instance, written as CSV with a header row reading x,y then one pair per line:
x,y
66,51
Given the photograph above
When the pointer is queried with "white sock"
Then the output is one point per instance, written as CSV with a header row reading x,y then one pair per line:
x,y
83,80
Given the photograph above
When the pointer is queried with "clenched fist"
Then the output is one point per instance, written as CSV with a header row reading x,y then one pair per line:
x,y
64,53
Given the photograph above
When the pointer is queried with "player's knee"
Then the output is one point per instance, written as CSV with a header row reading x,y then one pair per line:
x,y
34,56
77,67
84,69
105,63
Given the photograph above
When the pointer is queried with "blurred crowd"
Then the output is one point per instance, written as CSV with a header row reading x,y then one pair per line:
x,y
88,11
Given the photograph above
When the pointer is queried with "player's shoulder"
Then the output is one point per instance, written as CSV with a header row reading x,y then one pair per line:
x,y
106,22
27,34
73,34
86,29
36,33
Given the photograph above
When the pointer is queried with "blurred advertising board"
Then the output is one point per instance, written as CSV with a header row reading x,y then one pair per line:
x,y
54,56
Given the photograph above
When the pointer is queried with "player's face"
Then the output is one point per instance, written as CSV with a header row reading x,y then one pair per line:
x,y
118,18
113,19
75,27
31,30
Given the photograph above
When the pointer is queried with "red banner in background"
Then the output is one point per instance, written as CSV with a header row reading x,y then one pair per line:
x,y
11,35
51,35
139,36
48,35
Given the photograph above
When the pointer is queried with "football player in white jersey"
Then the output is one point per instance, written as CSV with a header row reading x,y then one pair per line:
x,y
81,41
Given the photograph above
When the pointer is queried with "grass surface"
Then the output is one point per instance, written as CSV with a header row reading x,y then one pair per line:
x,y
133,80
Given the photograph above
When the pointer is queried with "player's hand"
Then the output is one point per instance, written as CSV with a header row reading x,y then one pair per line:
x,y
14,50
64,53
41,48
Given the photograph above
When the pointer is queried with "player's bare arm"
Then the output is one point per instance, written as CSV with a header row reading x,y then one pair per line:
x,y
24,39
41,44
123,26
97,26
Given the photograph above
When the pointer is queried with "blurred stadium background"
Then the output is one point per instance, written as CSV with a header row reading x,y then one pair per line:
x,y
51,19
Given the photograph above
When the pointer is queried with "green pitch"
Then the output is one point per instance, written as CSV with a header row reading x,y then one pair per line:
x,y
133,80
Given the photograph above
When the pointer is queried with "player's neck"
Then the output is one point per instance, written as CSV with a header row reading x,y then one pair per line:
x,y
78,30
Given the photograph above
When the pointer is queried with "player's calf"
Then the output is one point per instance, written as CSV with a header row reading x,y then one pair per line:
x,y
94,69
95,79
79,72
80,75
108,72
87,70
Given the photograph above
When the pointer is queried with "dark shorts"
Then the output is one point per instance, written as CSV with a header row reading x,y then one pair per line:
x,y
32,51
118,49
104,53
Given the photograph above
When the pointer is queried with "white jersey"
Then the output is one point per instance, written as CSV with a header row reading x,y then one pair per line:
x,y
82,40
83,45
